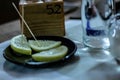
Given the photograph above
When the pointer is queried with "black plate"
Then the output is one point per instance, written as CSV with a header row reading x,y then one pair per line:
x,y
27,60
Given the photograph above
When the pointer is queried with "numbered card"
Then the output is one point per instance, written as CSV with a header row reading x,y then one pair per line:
x,y
43,17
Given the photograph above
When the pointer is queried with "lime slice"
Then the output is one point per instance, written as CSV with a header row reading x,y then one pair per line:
x,y
41,45
20,45
51,54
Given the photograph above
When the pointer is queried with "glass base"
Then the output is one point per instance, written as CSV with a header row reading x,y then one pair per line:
x,y
97,42
101,55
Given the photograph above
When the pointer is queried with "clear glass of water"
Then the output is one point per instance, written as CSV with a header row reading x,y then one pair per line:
x,y
114,36
95,30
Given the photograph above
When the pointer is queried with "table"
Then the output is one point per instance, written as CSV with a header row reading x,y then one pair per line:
x,y
85,65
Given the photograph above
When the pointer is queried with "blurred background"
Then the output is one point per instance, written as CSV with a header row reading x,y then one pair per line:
x,y
8,13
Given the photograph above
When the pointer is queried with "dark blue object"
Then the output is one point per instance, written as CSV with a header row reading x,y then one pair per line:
x,y
92,32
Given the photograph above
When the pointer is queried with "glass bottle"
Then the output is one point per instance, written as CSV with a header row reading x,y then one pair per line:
x,y
95,31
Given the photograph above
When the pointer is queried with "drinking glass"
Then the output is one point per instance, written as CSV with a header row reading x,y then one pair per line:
x,y
114,36
95,31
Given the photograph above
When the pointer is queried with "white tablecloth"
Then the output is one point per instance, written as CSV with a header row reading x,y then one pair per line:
x,y
85,66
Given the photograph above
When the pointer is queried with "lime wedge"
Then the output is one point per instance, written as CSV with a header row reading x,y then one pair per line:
x,y
51,54
20,45
41,45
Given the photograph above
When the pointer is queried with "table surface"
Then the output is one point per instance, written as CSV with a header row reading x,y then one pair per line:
x,y
85,65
